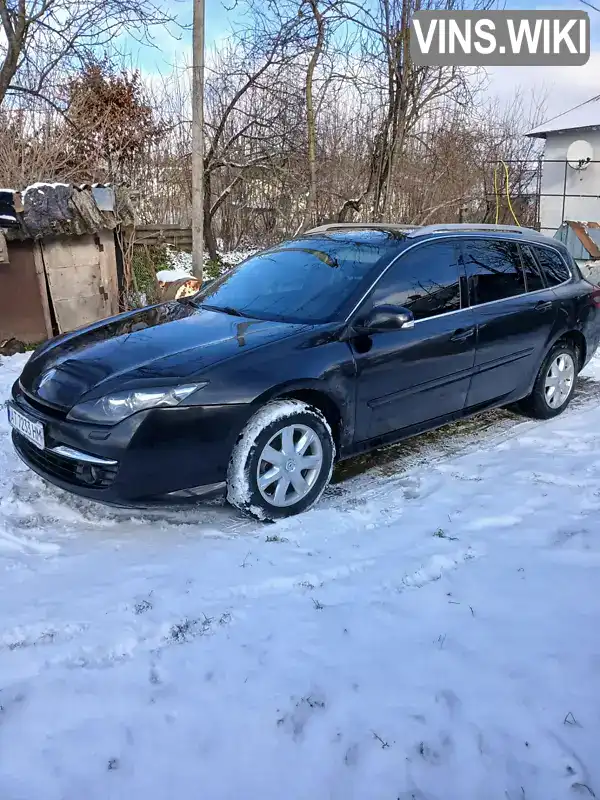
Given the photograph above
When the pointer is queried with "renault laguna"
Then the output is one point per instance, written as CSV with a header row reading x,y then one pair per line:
x,y
343,339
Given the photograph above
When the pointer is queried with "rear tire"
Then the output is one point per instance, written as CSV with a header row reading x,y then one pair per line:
x,y
282,461
555,383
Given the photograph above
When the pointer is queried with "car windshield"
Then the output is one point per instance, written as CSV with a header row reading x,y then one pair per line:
x,y
308,280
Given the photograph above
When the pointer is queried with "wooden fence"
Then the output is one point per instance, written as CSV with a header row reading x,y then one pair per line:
x,y
178,236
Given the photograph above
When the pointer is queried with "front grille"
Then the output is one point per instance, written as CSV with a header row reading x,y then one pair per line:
x,y
65,469
28,399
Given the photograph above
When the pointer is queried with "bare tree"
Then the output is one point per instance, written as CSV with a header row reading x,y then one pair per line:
x,y
407,93
35,144
314,112
43,37
245,100
320,22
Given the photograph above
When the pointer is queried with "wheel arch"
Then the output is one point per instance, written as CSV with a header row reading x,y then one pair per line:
x,y
577,340
316,395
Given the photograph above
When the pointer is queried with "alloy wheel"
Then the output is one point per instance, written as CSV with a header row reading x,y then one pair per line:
x,y
289,465
559,380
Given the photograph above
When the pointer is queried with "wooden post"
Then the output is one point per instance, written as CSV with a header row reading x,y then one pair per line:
x,y
38,260
198,141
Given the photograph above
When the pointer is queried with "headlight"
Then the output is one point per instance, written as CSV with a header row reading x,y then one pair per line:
x,y
115,407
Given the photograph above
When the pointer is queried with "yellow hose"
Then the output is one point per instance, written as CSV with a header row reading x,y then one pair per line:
x,y
514,216
497,193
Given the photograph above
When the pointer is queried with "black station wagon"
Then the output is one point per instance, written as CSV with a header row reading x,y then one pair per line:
x,y
340,340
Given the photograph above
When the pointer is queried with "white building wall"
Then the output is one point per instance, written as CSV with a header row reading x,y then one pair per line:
x,y
586,181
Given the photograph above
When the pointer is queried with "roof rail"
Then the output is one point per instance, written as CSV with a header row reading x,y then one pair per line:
x,y
458,227
412,231
382,226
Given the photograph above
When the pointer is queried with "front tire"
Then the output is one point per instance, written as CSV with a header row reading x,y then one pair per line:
x,y
555,383
282,461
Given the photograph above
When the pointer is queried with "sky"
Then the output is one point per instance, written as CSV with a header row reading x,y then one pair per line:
x,y
561,88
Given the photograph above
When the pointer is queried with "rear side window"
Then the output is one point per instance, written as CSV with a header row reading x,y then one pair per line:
x,y
426,280
553,266
494,269
533,276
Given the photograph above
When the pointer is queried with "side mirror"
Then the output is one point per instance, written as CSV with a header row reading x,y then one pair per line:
x,y
386,318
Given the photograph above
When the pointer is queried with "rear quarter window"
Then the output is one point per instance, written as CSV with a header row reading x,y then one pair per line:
x,y
552,265
533,273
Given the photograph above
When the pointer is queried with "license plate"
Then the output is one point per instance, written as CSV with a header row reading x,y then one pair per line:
x,y
34,431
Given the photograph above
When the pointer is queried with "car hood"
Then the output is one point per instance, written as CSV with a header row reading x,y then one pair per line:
x,y
165,344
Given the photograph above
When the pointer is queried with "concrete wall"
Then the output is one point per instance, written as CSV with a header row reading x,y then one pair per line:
x,y
586,181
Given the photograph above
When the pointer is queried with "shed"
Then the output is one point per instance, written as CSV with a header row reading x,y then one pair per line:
x,y
582,240
570,183
58,258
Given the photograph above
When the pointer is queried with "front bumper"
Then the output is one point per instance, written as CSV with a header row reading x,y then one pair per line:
x,y
147,456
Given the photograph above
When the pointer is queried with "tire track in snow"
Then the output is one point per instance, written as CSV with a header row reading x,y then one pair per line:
x,y
155,637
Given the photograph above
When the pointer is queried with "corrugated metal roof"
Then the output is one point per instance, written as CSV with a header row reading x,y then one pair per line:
x,y
594,234
582,239
585,115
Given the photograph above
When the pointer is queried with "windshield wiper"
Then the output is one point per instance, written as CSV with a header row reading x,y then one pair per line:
x,y
224,309
188,300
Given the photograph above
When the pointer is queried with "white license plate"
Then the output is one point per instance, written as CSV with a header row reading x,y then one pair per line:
x,y
34,431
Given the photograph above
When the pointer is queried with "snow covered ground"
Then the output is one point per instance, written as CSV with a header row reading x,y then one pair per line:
x,y
180,263
430,630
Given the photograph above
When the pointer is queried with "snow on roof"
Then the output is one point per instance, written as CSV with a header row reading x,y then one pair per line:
x,y
585,115
41,188
53,209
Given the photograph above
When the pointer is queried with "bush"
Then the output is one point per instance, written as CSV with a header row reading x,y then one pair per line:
x,y
213,268
145,263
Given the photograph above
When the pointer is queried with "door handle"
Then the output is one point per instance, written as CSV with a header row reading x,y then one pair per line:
x,y
543,305
461,334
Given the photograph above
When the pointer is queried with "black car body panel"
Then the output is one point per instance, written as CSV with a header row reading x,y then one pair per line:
x,y
461,356
157,452
161,345
406,377
510,343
